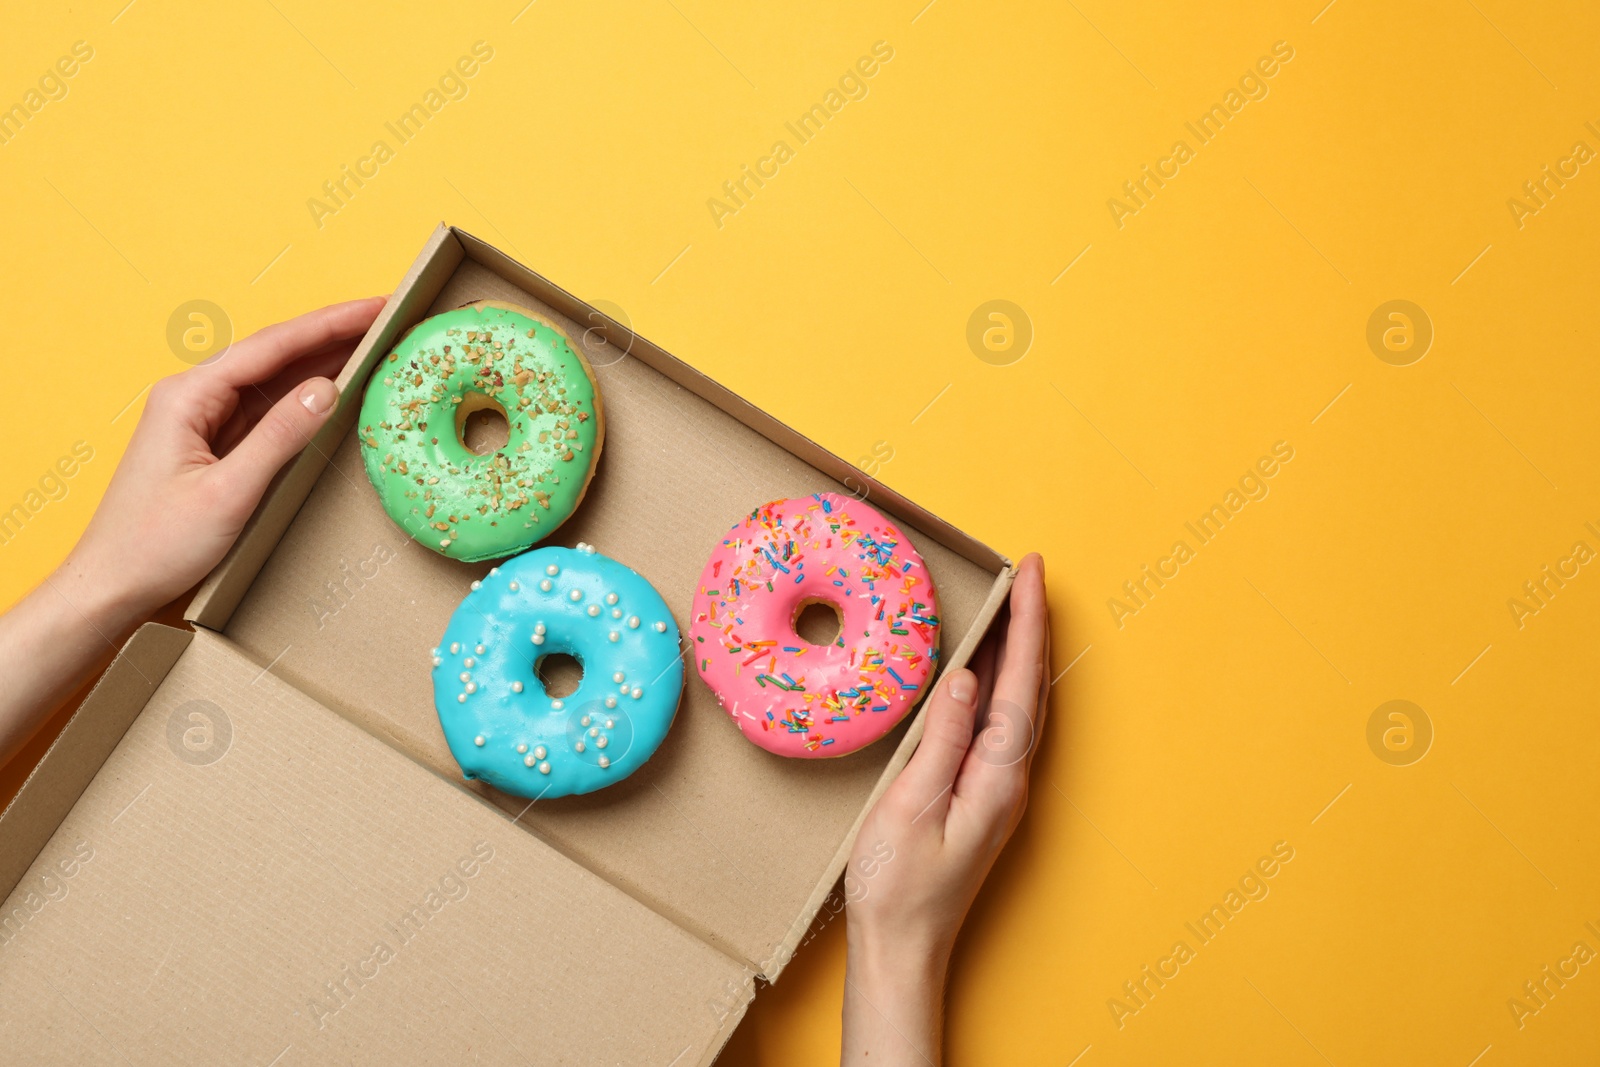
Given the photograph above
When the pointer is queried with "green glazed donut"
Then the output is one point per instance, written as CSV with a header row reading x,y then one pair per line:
x,y
447,497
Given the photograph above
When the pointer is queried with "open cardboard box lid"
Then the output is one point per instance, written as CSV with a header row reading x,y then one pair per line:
x,y
252,841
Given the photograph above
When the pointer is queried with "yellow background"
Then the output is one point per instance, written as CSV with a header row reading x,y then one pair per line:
x,y
1225,316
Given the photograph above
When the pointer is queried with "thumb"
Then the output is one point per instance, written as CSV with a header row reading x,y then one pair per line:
x,y
281,434
946,736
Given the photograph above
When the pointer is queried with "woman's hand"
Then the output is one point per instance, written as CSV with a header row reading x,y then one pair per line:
x,y
930,841
207,445
209,441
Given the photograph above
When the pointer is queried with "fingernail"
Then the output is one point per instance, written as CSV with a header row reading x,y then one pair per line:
x,y
318,396
962,687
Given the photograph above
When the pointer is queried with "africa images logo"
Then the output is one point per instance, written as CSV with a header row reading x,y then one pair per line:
x,y
1252,887
1253,486
1252,86
852,85
338,191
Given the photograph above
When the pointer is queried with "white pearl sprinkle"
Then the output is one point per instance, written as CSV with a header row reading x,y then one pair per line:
x,y
614,637
633,622
611,598
469,662
582,545
479,741
594,731
576,595
528,761
544,584
594,611
437,660
611,702
604,763
540,752
544,768
472,687
552,570
465,676
522,748
602,743
538,639
637,693
578,747
661,627
623,689
481,649
455,646
493,571
610,723
538,628
616,613
476,586
617,677
516,687
513,587
461,698
584,721
556,705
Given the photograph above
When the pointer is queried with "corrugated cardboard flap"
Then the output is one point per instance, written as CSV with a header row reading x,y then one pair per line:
x,y
292,885
77,753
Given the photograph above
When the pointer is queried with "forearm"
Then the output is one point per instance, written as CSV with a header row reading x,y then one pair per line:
x,y
208,444
893,1005
51,643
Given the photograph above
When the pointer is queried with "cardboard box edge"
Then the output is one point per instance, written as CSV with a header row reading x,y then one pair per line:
x,y
223,590
225,587
733,405
56,784
730,1023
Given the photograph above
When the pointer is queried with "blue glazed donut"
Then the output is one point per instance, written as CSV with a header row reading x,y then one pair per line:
x,y
503,727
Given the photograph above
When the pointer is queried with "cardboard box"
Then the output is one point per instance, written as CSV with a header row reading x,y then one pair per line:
x,y
252,842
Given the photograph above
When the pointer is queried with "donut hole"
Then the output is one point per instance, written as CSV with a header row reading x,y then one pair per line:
x,y
481,424
818,622
559,673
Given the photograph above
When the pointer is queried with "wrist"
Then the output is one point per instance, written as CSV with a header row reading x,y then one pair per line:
x,y
85,593
893,1000
904,963
52,642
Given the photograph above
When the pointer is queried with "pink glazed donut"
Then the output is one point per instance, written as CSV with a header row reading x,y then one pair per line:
x,y
785,694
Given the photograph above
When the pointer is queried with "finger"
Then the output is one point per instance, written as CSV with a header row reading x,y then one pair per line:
x,y
983,661
324,362
256,400
995,769
946,733
1046,683
282,433
1021,665
250,402
181,413
266,352
998,633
